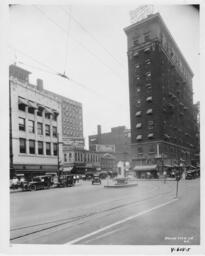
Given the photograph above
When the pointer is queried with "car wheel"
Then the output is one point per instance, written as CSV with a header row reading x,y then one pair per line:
x,y
32,188
47,186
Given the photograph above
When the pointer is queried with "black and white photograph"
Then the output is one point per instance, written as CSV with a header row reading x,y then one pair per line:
x,y
103,116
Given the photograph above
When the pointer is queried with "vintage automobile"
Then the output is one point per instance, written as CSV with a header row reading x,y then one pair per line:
x,y
38,182
96,180
191,174
66,180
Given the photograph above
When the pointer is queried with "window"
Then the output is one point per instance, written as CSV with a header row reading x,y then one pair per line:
x,y
31,126
147,36
48,148
147,50
139,113
150,125
137,65
47,115
55,149
136,53
139,125
40,128
139,137
150,135
31,110
139,150
22,145
54,131
55,116
148,61
22,126
148,74
151,149
136,41
149,99
40,111
149,111
75,157
47,130
22,107
70,155
31,146
148,85
40,147
65,157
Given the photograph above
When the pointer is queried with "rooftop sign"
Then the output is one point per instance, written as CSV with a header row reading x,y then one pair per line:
x,y
141,13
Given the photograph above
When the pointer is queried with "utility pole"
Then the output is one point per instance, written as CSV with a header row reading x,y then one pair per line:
x,y
58,155
12,170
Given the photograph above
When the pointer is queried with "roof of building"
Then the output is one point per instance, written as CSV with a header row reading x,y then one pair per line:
x,y
158,16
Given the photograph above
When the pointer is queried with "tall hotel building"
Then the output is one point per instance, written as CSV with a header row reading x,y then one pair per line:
x,y
40,121
163,124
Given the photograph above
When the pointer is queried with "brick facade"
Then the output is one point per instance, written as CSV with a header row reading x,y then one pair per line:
x,y
161,96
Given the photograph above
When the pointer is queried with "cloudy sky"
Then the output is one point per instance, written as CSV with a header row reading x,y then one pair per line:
x,y
88,43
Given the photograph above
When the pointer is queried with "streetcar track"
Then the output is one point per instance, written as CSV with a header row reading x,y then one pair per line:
x,y
77,218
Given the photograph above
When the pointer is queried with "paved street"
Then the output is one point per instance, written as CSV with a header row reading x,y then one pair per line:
x,y
148,214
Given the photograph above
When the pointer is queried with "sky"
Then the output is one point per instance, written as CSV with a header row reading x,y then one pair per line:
x,y
88,43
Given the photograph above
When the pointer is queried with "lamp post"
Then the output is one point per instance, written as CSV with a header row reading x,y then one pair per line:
x,y
58,156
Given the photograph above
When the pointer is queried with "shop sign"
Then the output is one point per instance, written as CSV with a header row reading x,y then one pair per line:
x,y
105,148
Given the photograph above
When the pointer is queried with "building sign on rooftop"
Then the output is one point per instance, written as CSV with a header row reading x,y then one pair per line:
x,y
141,13
105,148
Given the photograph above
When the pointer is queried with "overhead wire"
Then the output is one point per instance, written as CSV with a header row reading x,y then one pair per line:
x,y
93,37
67,38
56,73
82,45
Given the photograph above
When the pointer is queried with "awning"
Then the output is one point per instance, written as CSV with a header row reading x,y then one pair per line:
x,y
40,106
145,167
150,135
23,101
139,137
49,111
138,113
149,98
149,111
67,169
55,112
32,104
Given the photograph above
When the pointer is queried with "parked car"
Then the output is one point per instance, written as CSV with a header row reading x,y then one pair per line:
x,y
89,176
96,180
38,182
191,174
14,183
66,180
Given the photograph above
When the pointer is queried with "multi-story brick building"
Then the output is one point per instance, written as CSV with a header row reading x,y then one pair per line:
x,y
163,125
119,137
40,122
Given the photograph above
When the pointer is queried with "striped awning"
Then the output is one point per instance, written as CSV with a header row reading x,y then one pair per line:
x,y
48,110
22,101
32,104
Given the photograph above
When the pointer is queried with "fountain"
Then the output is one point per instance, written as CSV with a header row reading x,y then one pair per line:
x,y
121,181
